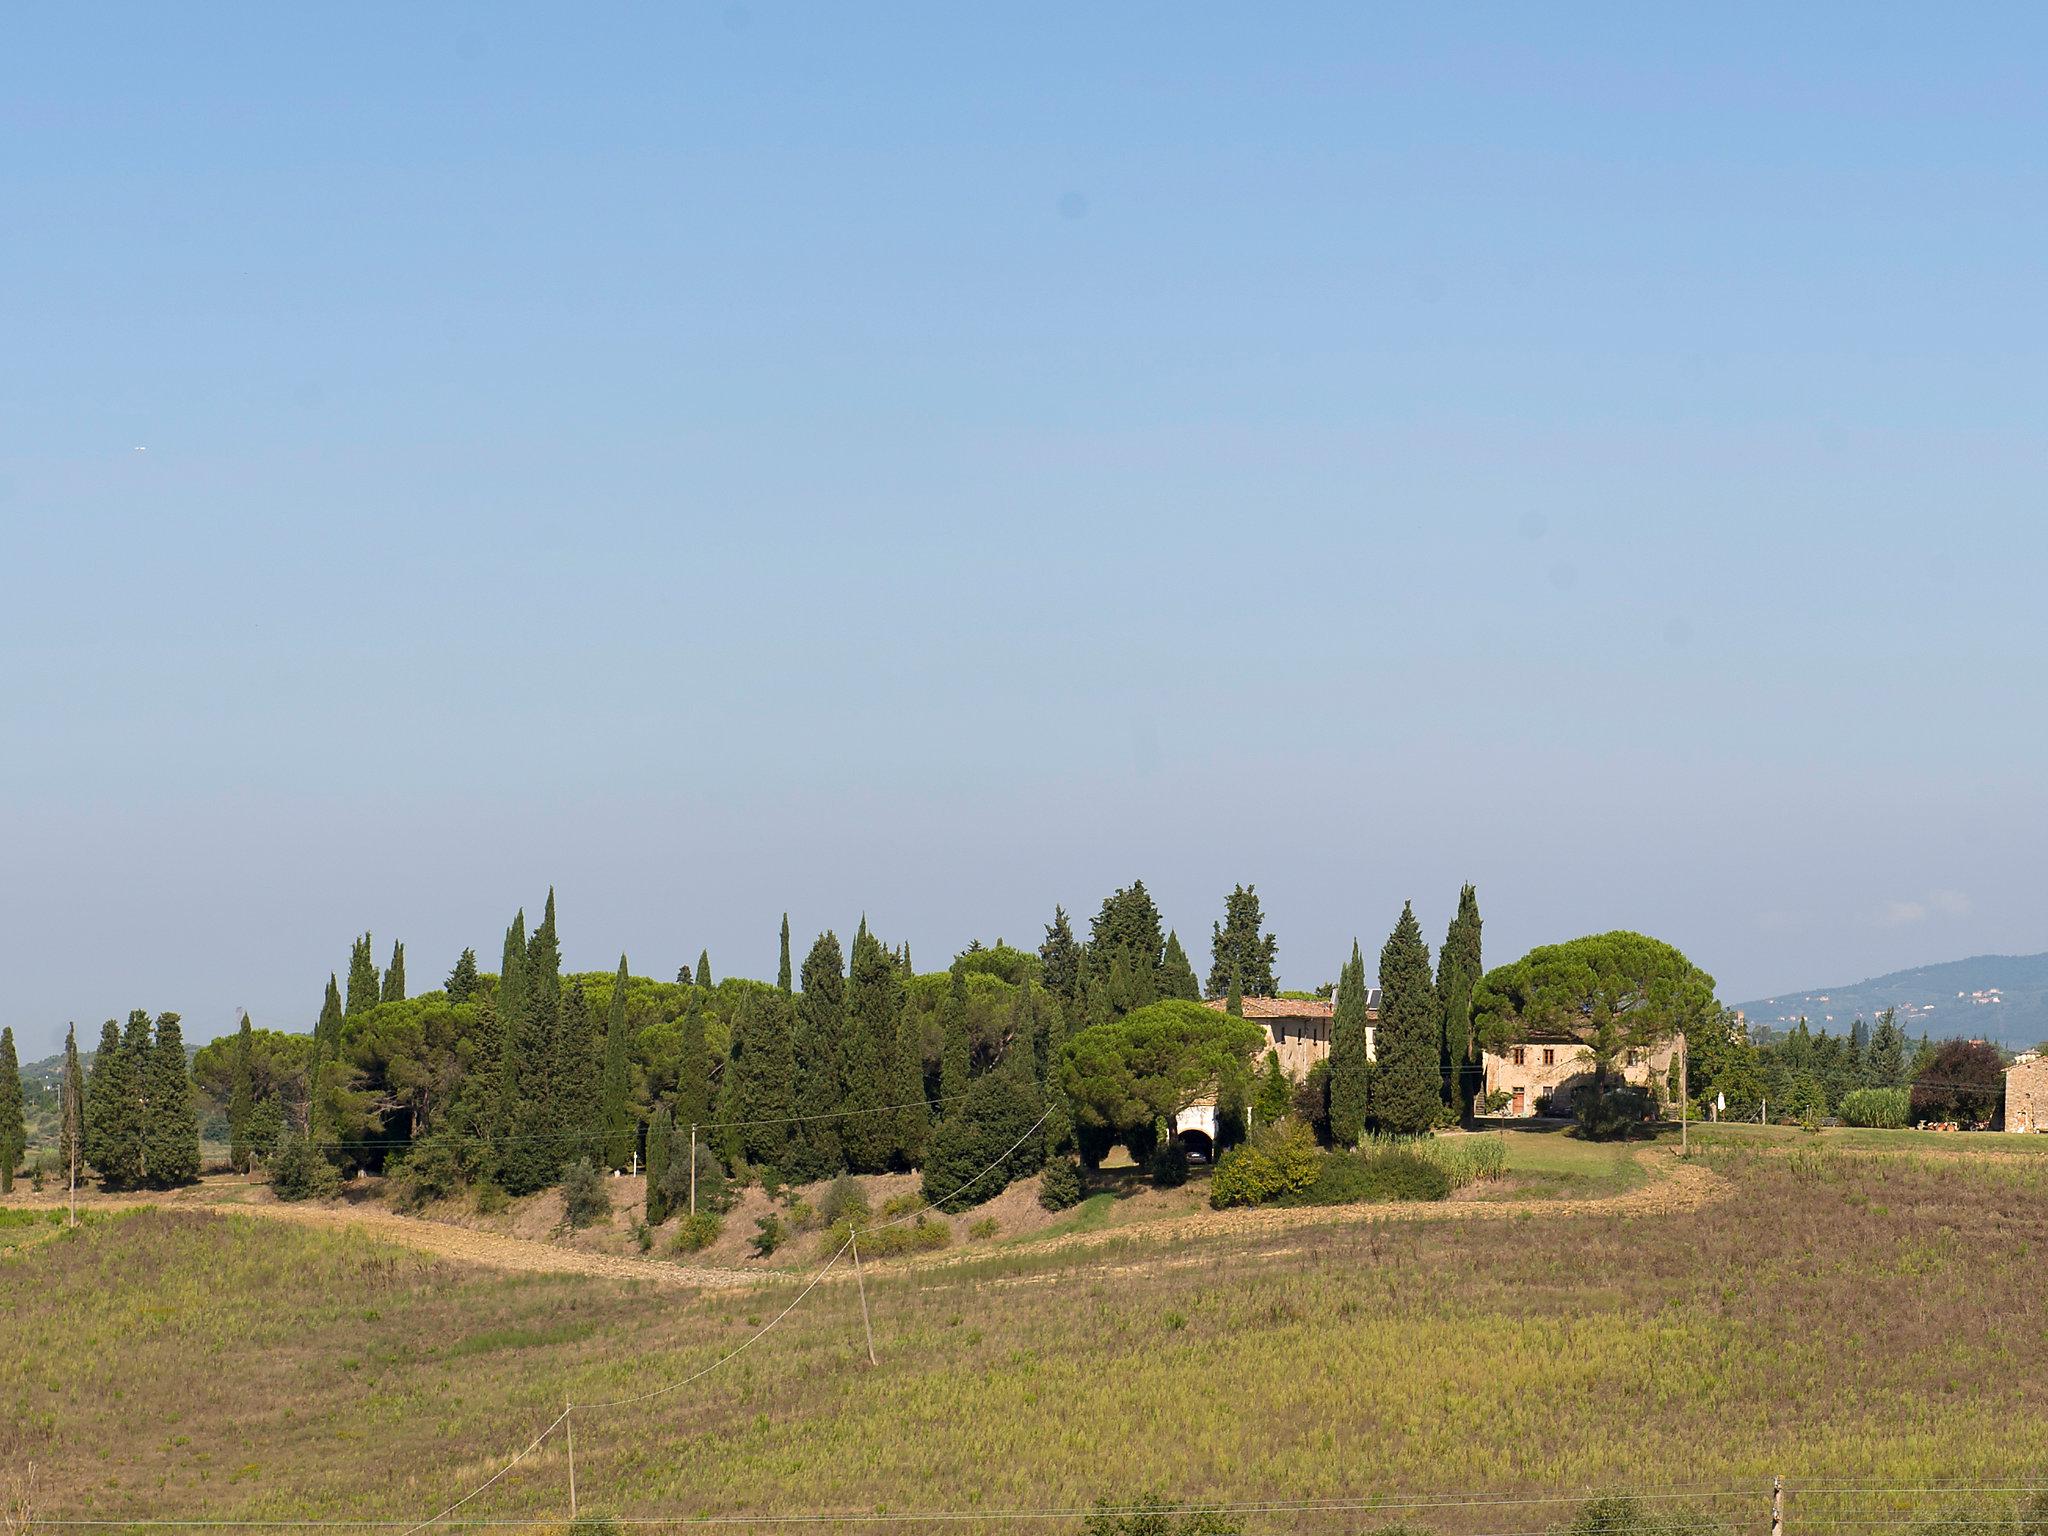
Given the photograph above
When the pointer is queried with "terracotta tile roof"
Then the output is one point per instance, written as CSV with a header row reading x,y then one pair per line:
x,y
1287,1007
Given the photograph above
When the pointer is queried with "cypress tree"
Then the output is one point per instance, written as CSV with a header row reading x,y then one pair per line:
x,y
241,1098
171,1134
693,1069
364,985
13,1127
513,1044
1457,972
975,1151
100,1113
1061,959
782,973
914,1117
576,1114
1176,975
394,977
815,1151
1350,1066
1887,1060
874,993
1236,944
757,1102
704,968
616,1086
72,1144
955,1050
1406,1090
1127,928
660,1126
129,1144
461,981
1233,1002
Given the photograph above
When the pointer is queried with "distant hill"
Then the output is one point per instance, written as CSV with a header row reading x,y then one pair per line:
x,y
1997,997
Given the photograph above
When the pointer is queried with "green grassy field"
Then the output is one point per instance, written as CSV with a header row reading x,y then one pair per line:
x,y
1853,1312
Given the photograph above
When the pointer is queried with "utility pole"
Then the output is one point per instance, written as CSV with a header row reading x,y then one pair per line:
x,y
854,1239
1684,1102
693,1169
569,1420
1777,1506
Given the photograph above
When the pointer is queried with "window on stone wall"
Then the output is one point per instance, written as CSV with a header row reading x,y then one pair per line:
x,y
1550,1055
1520,1056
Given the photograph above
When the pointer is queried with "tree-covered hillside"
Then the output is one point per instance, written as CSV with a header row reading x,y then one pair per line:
x,y
1998,997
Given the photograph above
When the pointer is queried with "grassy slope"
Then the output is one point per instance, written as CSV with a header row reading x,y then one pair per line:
x,y
1849,1314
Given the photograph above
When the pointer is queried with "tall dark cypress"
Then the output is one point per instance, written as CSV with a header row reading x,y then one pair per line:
x,y
956,1059
1237,943
461,982
1406,1091
365,987
1126,950
782,972
1457,972
394,977
693,1104
100,1090
1061,958
13,1125
1176,975
241,1098
71,1142
326,1048
171,1124
127,1069
1233,1000
815,1151
907,1091
874,1004
577,1111
1350,1063
615,1090
757,1101
513,1043
704,968
660,1130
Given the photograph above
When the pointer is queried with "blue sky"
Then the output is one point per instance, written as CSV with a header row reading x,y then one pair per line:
x,y
938,461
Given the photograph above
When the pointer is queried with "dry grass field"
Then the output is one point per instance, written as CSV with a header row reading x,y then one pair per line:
x,y
1859,1310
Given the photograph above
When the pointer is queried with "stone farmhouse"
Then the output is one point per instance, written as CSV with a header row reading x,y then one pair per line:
x,y
1539,1075
1542,1073
2026,1094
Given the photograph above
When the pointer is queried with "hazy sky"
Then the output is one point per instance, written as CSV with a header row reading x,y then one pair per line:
x,y
943,460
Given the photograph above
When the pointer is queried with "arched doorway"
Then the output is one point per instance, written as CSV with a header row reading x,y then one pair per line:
x,y
1199,1147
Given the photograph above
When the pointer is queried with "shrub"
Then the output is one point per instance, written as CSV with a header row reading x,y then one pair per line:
x,y
1494,1102
919,1236
768,1235
1887,1109
643,1234
585,1200
1153,1516
843,1200
1169,1163
1279,1159
984,1229
1611,1114
491,1199
436,1167
1623,1515
696,1233
299,1171
1345,1178
1060,1186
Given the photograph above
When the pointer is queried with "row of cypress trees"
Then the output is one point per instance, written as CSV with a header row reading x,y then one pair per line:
x,y
1424,1062
141,1127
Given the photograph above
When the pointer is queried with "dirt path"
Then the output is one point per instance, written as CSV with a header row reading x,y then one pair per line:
x,y
1672,1187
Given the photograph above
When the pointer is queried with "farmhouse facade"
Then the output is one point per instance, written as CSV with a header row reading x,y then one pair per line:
x,y
1540,1074
2026,1094
1297,1031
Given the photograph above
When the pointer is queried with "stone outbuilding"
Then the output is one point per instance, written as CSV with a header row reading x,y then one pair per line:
x,y
2026,1094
